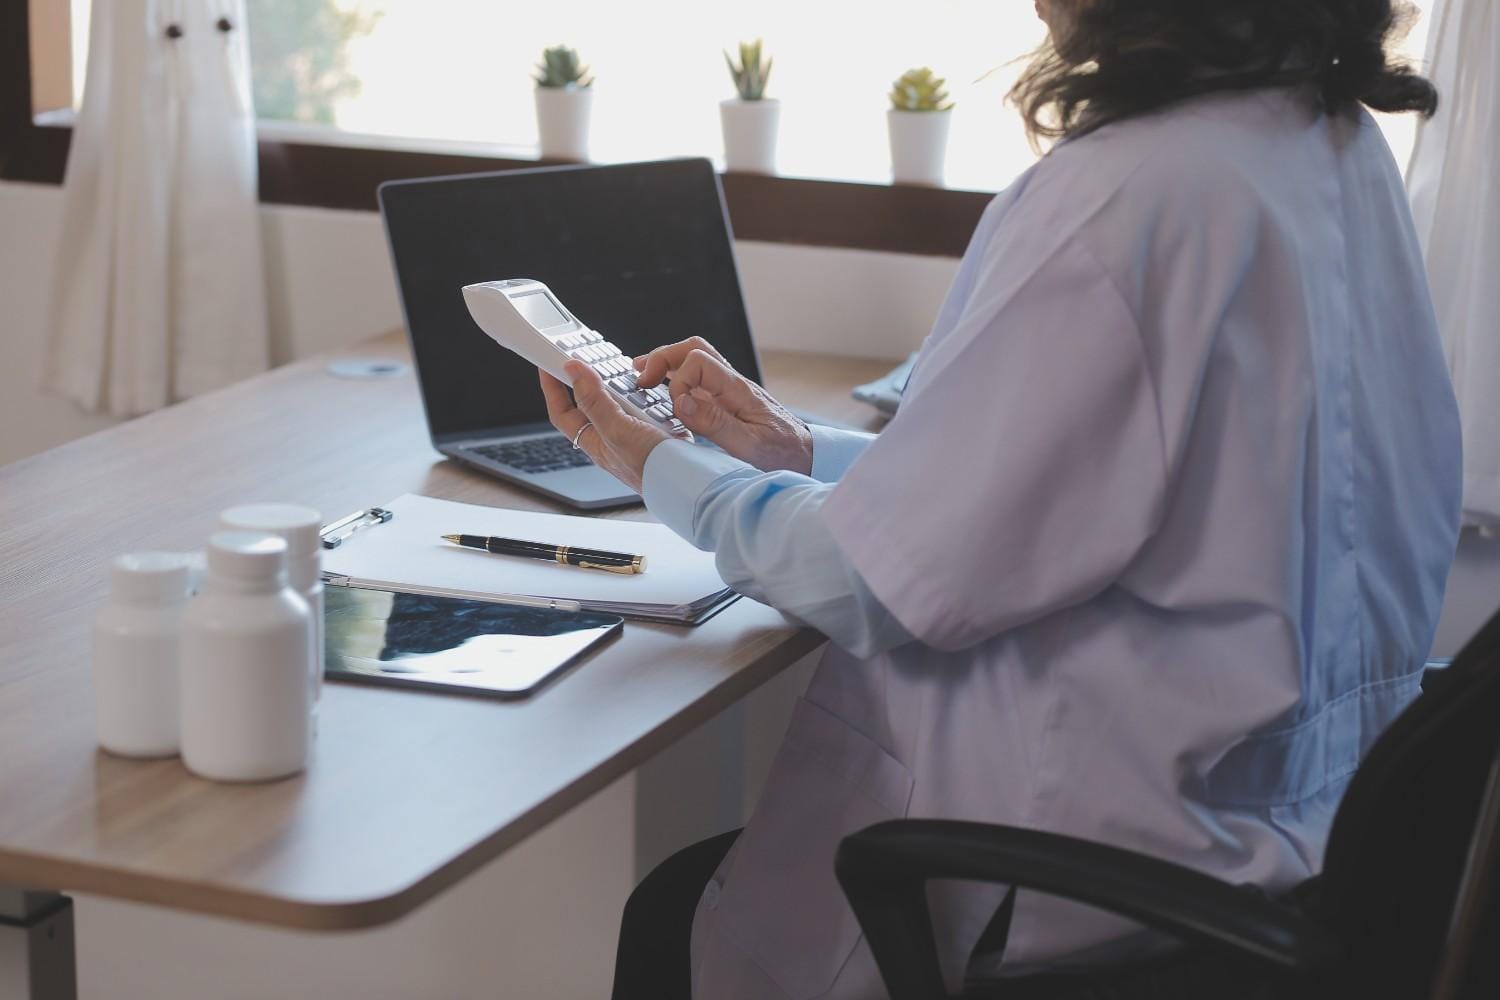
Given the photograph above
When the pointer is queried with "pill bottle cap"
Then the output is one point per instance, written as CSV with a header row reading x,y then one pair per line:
x,y
246,555
297,524
151,577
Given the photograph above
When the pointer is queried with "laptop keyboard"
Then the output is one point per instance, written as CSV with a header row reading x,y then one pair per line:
x,y
540,454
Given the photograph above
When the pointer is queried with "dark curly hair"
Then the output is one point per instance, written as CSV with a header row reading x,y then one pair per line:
x,y
1119,58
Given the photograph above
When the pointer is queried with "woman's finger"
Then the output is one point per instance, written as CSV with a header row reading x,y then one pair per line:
x,y
700,412
572,421
597,404
653,367
592,444
565,416
701,370
657,363
616,439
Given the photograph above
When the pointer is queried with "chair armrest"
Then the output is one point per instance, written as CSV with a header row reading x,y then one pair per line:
x,y
884,870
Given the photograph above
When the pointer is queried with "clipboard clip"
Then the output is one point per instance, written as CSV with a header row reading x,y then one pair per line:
x,y
335,534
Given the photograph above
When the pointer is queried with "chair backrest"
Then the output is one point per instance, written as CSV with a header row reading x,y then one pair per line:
x,y
1470,964
1401,841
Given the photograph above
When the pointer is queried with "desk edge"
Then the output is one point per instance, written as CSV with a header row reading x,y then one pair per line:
x,y
23,870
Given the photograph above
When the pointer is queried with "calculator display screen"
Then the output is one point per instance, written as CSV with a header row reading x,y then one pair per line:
x,y
539,310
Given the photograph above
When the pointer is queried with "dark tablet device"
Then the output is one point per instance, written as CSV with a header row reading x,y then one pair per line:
x,y
453,645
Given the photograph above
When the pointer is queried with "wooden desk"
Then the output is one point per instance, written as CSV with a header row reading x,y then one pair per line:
x,y
406,793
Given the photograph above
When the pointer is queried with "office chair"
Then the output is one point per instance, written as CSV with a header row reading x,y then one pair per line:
x,y
1407,906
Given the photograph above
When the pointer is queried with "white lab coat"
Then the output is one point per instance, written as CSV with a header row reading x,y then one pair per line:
x,y
1169,506
159,291
1457,207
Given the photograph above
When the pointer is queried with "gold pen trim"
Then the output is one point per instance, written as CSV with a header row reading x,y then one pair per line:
x,y
628,570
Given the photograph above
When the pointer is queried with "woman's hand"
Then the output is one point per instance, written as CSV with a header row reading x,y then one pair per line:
x,y
714,400
618,441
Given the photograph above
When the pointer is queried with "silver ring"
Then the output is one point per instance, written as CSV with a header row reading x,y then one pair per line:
x,y
585,427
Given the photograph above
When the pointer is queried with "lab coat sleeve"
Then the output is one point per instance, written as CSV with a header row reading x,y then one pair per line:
x,y
769,542
1026,467
835,450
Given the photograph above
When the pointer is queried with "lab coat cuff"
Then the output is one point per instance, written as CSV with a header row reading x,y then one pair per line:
x,y
835,450
676,476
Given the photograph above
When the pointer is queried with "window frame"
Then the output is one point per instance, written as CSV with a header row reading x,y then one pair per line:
x,y
895,218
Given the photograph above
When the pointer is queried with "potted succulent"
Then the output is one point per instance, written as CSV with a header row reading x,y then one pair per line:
x,y
918,118
564,91
750,120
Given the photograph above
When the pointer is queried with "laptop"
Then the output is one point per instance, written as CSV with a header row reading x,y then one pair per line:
x,y
641,252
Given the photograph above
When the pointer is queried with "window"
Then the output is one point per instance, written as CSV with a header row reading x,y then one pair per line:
x,y
1401,130
460,70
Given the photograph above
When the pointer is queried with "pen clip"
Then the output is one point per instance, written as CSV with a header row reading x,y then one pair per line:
x,y
339,531
627,569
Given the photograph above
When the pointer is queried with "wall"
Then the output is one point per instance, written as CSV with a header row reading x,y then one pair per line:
x,y
51,29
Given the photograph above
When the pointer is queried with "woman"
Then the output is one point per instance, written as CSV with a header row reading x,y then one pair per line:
x,y
1157,543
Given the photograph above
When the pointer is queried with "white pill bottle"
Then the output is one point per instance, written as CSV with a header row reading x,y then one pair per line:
x,y
136,654
246,639
299,527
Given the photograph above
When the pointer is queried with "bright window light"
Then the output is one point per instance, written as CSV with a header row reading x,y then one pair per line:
x,y
460,70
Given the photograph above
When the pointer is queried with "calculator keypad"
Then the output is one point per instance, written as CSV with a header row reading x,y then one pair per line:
x,y
618,373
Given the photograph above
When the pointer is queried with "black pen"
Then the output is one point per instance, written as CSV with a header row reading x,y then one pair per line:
x,y
568,555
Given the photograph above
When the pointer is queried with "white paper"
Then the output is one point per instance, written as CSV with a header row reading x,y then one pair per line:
x,y
409,550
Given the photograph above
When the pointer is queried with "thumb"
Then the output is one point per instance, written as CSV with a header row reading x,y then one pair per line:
x,y
703,372
701,413
595,401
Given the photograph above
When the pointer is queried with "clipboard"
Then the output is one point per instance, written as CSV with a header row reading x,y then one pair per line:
x,y
398,548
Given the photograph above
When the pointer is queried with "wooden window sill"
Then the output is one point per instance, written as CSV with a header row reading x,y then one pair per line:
x,y
310,167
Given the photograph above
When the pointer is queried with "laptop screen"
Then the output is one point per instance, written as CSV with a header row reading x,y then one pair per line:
x,y
640,252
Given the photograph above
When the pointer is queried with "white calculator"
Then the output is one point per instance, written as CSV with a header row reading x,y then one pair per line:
x,y
522,315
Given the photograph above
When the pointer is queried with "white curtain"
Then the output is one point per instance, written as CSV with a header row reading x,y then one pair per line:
x,y
159,289
1454,182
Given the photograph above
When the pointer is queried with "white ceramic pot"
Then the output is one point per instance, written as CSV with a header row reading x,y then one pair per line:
x,y
562,121
750,134
919,144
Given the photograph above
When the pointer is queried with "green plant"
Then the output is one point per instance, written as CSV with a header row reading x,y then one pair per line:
x,y
560,68
751,74
919,90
